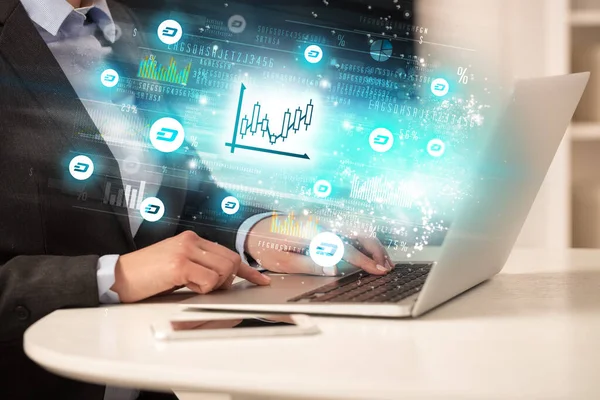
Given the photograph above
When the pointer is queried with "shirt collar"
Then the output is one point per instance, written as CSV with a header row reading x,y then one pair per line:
x,y
51,14
101,14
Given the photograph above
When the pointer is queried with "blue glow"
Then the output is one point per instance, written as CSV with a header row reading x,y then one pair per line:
x,y
81,168
322,188
230,205
313,54
436,148
109,78
440,87
167,135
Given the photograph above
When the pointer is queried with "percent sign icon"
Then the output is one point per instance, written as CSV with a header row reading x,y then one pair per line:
x,y
341,40
462,73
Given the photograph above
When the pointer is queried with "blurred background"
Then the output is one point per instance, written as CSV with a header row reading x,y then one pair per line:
x,y
525,39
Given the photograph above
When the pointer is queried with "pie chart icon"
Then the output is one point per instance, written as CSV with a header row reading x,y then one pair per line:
x,y
381,50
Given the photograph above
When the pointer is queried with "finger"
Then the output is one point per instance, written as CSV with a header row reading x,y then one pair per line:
x,y
360,260
218,249
252,275
207,254
228,283
223,266
199,279
375,249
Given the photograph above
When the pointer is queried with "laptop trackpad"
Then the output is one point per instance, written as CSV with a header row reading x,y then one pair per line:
x,y
283,287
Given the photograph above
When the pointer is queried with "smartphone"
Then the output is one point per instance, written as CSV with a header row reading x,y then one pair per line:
x,y
204,326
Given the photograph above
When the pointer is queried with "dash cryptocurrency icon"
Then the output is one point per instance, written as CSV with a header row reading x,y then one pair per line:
x,y
109,78
152,209
230,205
170,31
313,54
81,168
167,135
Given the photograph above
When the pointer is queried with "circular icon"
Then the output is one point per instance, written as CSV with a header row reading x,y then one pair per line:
x,y
440,87
381,140
326,249
167,135
81,168
436,148
381,50
313,54
131,165
170,31
236,24
109,78
322,188
152,209
230,205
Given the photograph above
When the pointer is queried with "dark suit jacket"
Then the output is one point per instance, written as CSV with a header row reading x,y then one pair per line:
x,y
49,247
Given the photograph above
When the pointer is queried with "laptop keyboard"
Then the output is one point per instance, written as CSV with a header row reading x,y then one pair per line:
x,y
403,281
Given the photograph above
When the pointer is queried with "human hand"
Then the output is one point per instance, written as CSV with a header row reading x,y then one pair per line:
x,y
288,254
183,260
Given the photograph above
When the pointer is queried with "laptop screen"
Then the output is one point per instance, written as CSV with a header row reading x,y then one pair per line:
x,y
330,116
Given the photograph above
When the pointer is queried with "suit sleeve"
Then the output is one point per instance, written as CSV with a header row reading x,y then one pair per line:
x,y
202,210
34,286
203,206
242,235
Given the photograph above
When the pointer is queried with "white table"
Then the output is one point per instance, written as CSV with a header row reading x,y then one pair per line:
x,y
531,332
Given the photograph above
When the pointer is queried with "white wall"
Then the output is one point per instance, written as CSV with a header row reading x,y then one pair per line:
x,y
517,39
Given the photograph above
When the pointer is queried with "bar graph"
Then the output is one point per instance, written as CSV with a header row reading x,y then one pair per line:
x,y
127,197
151,69
380,190
291,227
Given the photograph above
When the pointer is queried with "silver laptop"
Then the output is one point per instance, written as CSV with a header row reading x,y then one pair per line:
x,y
506,180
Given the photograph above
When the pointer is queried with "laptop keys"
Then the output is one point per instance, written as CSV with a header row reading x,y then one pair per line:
x,y
403,281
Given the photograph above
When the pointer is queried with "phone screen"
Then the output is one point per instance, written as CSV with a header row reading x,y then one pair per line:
x,y
245,323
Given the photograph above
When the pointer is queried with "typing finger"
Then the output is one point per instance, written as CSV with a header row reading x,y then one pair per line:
x,y
358,259
375,249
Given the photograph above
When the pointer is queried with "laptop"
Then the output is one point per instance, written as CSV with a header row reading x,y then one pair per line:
x,y
506,180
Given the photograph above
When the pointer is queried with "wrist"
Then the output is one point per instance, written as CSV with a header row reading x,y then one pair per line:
x,y
259,232
122,286
105,276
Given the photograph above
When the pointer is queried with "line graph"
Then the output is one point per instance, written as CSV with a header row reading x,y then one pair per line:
x,y
257,123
